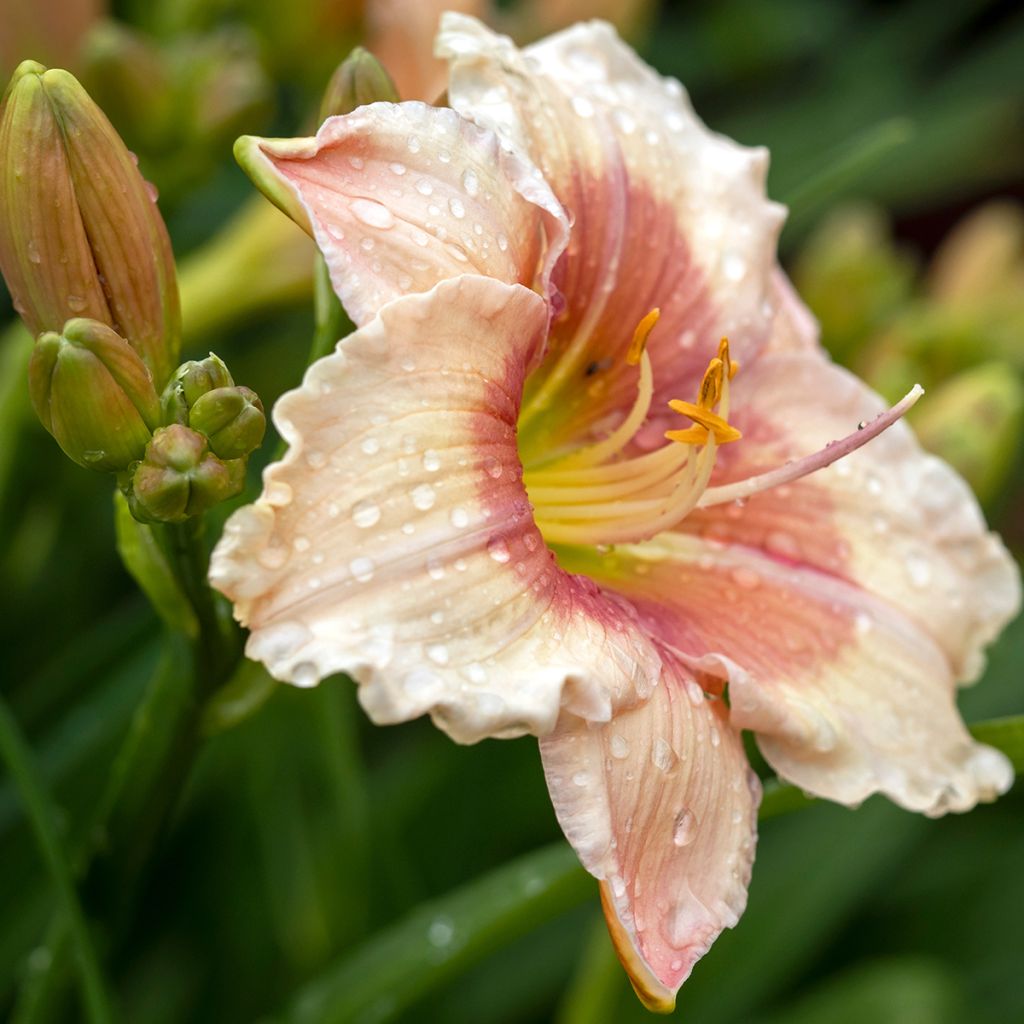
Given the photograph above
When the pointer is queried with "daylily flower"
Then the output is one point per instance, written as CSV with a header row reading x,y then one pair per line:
x,y
536,492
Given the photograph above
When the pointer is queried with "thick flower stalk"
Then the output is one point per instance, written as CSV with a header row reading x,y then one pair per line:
x,y
573,476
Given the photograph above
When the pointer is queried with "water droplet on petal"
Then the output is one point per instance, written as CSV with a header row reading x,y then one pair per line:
x,y
372,213
362,569
471,183
431,461
459,518
684,828
305,674
619,746
423,497
662,754
365,514
497,548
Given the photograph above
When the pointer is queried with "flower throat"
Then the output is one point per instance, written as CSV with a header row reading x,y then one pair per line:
x,y
605,493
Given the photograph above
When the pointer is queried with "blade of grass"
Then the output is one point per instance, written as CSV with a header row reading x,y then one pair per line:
x,y
842,167
43,817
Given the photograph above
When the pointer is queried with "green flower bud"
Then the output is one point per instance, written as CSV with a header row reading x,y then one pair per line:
x,y
94,394
853,276
180,477
232,419
359,79
80,234
189,382
974,421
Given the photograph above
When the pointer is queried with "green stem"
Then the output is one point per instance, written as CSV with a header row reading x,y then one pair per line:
x,y
42,816
154,761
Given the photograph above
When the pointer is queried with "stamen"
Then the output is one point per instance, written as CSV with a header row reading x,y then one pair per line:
x,y
598,496
640,336
702,414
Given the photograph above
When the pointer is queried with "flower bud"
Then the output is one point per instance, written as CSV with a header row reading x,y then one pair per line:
x,y
180,477
94,394
80,235
189,382
974,421
231,419
359,79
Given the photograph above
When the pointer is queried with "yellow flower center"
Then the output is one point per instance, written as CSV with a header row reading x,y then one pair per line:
x,y
609,492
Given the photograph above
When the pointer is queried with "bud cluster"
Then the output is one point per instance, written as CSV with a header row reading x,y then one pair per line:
x,y
88,261
197,458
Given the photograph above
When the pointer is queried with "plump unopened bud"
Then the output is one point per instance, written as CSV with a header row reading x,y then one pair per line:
x,y
91,391
232,419
180,477
191,381
80,234
359,79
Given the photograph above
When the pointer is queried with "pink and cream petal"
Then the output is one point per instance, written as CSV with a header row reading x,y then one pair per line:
x,y
665,213
846,694
394,542
661,806
888,518
401,196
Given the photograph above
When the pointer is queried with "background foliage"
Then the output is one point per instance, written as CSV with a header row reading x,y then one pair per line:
x,y
305,838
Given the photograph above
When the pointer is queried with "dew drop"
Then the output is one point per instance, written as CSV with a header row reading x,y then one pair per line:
x,y
362,568
498,550
746,577
684,828
918,569
582,106
440,932
76,303
305,674
734,267
457,208
32,251
370,446
619,746
278,494
459,518
471,183
365,514
431,461
438,654
581,779
397,168
662,755
372,213
423,497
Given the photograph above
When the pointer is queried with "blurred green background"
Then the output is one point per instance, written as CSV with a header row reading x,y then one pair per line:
x,y
303,833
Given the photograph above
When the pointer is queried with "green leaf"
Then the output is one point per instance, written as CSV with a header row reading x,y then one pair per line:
x,y
440,939
43,816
